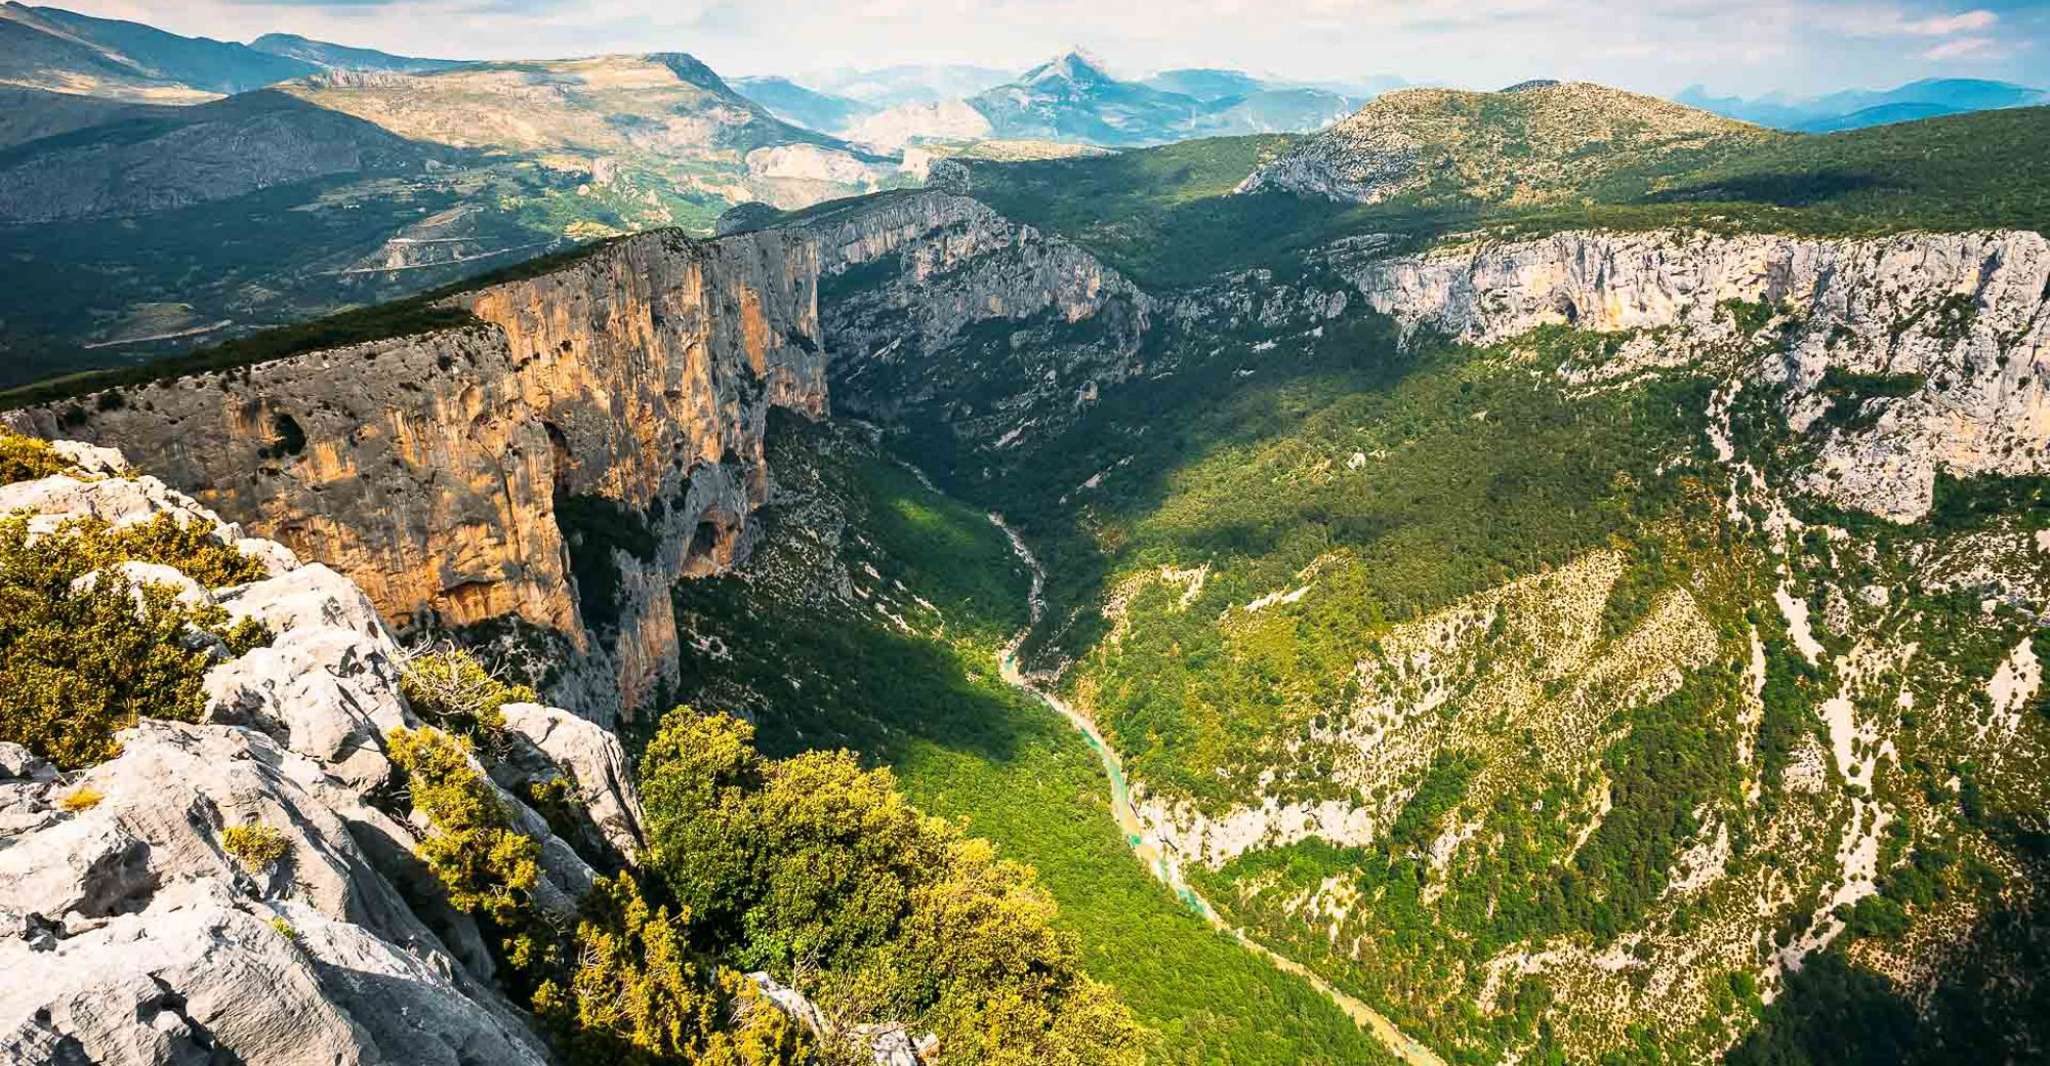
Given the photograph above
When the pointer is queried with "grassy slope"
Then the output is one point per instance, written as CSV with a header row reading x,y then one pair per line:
x,y
1476,474
928,703
1163,215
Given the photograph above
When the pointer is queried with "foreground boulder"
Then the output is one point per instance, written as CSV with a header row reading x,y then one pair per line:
x,y
137,926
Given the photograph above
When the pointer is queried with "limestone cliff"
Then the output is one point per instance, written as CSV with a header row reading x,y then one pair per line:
x,y
630,386
943,313
1956,325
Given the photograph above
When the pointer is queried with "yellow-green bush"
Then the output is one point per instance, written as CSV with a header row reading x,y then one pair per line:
x,y
485,865
259,848
26,458
625,987
79,665
639,994
189,546
557,802
82,798
452,690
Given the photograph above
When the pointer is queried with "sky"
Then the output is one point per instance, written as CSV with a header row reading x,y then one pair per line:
x,y
1747,47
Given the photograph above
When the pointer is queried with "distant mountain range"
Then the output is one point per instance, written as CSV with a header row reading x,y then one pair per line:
x,y
910,83
52,49
1859,108
810,108
158,191
1070,99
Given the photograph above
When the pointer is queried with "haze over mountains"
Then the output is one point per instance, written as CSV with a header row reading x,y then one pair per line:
x,y
1071,98
1858,108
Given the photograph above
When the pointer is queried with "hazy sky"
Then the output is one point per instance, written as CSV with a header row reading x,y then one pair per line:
x,y
1748,46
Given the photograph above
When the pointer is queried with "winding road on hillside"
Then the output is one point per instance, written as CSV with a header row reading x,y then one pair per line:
x,y
1159,856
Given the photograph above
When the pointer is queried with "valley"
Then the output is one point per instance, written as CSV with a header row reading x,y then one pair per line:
x,y
1154,853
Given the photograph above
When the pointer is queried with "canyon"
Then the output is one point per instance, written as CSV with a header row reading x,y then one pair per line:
x,y
1795,475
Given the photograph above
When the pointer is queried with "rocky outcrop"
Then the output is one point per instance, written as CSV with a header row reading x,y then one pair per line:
x,y
131,933
429,469
1956,324
558,745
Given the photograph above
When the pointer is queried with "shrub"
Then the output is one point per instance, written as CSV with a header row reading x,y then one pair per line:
x,y
284,928
189,546
82,798
485,865
640,994
557,802
259,848
26,458
78,665
450,689
625,986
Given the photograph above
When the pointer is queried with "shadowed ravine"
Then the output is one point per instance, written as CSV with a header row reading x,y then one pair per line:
x,y
1159,856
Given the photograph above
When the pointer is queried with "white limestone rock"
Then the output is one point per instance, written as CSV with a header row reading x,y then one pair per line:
x,y
138,937
594,759
120,501
17,764
203,975
322,691
311,596
92,460
79,869
188,592
272,556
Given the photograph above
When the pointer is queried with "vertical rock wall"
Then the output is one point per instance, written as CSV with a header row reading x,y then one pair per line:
x,y
634,383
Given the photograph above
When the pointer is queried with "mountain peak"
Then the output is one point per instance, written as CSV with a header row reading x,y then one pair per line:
x,y
1077,64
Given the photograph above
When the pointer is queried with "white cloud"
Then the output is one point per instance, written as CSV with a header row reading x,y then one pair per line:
x,y
1959,48
1866,21
1945,25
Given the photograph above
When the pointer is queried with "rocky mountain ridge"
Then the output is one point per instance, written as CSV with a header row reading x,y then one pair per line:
x,y
1535,144
54,49
1948,315
630,387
